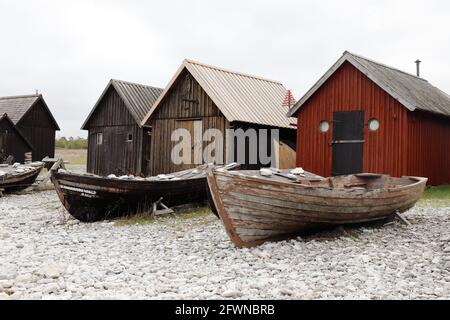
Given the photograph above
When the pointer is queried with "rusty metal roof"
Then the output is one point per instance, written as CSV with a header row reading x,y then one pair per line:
x,y
240,97
17,107
411,91
138,98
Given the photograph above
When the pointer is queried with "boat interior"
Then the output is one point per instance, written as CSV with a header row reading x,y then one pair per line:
x,y
362,181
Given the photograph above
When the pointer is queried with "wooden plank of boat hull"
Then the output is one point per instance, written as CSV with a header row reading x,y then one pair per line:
x,y
243,219
142,186
256,214
319,200
308,217
256,234
299,204
249,214
222,212
251,239
322,216
239,196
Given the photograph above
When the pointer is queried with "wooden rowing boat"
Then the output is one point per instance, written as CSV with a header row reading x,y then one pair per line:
x,y
91,198
18,177
255,209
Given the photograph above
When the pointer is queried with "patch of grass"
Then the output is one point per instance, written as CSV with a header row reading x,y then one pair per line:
x,y
73,156
439,192
143,219
436,196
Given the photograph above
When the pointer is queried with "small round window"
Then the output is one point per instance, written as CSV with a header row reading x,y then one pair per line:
x,y
324,126
374,125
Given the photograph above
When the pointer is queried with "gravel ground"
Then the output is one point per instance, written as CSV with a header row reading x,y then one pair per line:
x,y
44,255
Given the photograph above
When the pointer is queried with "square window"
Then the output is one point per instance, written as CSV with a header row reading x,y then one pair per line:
x,y
130,137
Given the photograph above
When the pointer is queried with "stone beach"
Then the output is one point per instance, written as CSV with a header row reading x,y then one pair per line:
x,y
44,254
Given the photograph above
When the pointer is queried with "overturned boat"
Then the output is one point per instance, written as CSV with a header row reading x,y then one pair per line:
x,y
18,176
256,207
91,198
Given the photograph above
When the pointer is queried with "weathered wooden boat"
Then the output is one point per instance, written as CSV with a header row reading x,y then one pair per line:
x,y
18,177
255,209
91,198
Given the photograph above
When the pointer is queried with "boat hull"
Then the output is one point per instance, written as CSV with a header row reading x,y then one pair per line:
x,y
91,198
20,181
255,210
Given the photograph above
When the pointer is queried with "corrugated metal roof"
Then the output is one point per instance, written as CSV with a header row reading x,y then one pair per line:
x,y
240,97
17,106
411,91
138,98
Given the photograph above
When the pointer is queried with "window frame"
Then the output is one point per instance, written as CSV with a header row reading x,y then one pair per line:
x,y
128,137
320,126
99,138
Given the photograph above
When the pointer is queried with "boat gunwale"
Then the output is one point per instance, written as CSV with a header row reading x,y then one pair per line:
x,y
418,181
77,178
17,178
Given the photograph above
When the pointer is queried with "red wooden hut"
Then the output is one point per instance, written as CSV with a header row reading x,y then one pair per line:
x,y
364,116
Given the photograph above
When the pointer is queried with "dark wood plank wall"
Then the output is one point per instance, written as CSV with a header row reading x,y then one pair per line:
x,y
186,100
115,155
40,130
286,136
11,143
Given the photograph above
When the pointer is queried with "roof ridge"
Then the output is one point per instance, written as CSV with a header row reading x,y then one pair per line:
x,y
137,84
21,96
232,71
385,65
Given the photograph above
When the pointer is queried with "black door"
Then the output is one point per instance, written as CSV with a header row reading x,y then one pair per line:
x,y
348,141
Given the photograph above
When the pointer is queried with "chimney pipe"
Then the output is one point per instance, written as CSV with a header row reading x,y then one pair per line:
x,y
418,67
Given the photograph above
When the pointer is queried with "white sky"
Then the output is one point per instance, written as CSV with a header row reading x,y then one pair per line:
x,y
69,50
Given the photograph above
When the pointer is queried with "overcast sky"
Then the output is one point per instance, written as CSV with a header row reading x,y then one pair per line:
x,y
69,50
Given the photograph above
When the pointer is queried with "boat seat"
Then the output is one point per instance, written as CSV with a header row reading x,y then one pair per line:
x,y
353,185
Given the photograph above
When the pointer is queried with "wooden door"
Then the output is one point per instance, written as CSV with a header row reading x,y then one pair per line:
x,y
348,142
146,151
195,129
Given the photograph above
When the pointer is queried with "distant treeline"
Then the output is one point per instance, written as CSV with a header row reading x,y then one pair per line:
x,y
71,143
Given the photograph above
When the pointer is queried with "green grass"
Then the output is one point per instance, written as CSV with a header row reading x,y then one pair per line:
x,y
73,156
198,213
439,192
436,196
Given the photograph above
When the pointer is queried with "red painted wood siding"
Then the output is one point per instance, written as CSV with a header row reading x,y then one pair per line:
x,y
407,143
350,90
429,147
